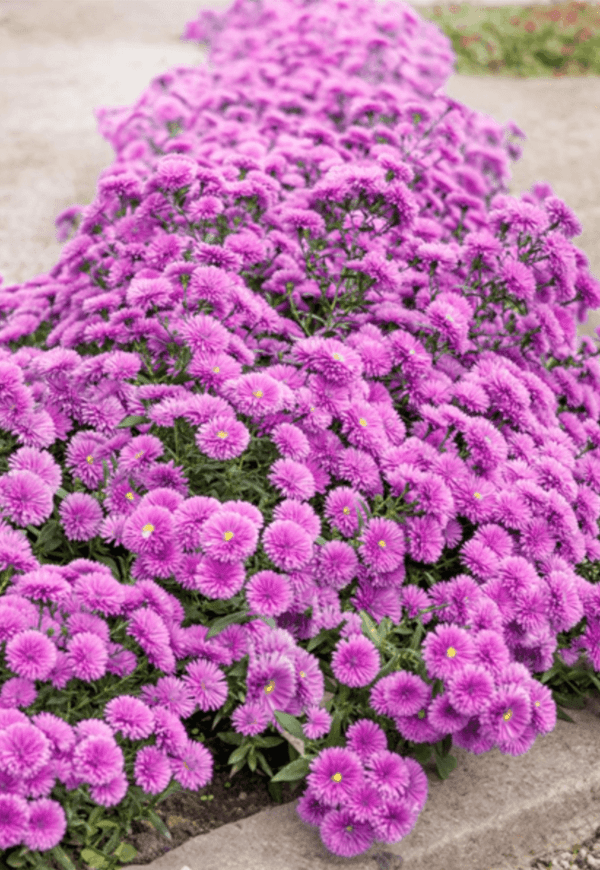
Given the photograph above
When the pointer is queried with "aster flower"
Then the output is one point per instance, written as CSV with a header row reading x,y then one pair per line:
x,y
343,834
24,749
59,733
356,661
193,766
88,656
335,772
311,810
268,593
366,738
229,537
25,498
404,693
47,825
110,793
31,655
172,694
508,713
81,516
14,820
98,760
152,770
337,564
394,820
470,689
382,544
387,771
219,579
206,684
300,513
271,680
446,650
364,800
250,719
130,716
293,479
147,528
18,692
287,545
39,462
222,438
140,452
444,717
318,723
255,394
311,683
149,630
100,591
291,441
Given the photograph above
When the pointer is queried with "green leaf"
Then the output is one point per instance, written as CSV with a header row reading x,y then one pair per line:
x,y
276,791
239,754
321,541
263,763
562,715
445,765
231,737
315,641
334,737
294,770
62,858
290,723
422,752
125,852
252,759
61,493
94,858
224,621
159,824
266,742
106,824
16,860
132,420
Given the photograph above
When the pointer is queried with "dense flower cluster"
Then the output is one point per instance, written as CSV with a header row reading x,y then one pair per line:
x,y
321,257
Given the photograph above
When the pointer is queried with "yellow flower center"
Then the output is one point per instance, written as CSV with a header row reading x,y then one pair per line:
x,y
129,495
537,703
451,652
411,351
362,421
338,356
203,686
382,543
346,510
89,459
312,408
349,828
139,455
221,434
302,674
477,494
147,530
507,715
258,394
337,777
216,369
270,686
228,536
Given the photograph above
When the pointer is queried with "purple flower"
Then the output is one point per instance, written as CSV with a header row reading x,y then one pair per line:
x,y
229,537
26,499
98,760
425,539
172,694
387,771
418,786
341,507
111,793
81,516
148,629
355,661
287,545
366,738
14,820
140,452
250,718
40,462
470,689
382,546
394,820
59,732
508,714
446,650
268,593
343,834
291,441
146,530
88,656
47,825
310,810
337,564
518,745
318,723
18,692
490,651
255,394
130,716
219,579
189,518
43,584
24,749
444,717
152,770
100,591
222,438
364,800
271,680
206,684
193,766
335,772
405,693
31,655
543,711
300,513
310,677
293,479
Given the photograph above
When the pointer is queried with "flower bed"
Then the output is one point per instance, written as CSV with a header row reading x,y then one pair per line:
x,y
301,408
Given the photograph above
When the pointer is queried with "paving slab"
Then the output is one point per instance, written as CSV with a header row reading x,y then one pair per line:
x,y
61,59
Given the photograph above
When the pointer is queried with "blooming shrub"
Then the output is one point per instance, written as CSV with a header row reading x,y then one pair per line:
x,y
300,408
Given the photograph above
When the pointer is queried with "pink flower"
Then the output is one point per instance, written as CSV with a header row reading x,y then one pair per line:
x,y
293,479
47,825
130,716
383,546
152,770
287,545
88,656
229,537
31,655
81,516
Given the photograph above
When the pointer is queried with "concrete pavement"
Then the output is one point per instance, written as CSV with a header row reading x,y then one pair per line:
x,y
60,59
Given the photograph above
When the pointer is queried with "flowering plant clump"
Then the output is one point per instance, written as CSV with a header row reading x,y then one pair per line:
x,y
301,409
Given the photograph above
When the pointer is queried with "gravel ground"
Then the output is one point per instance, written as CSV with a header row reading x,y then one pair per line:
x,y
585,855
